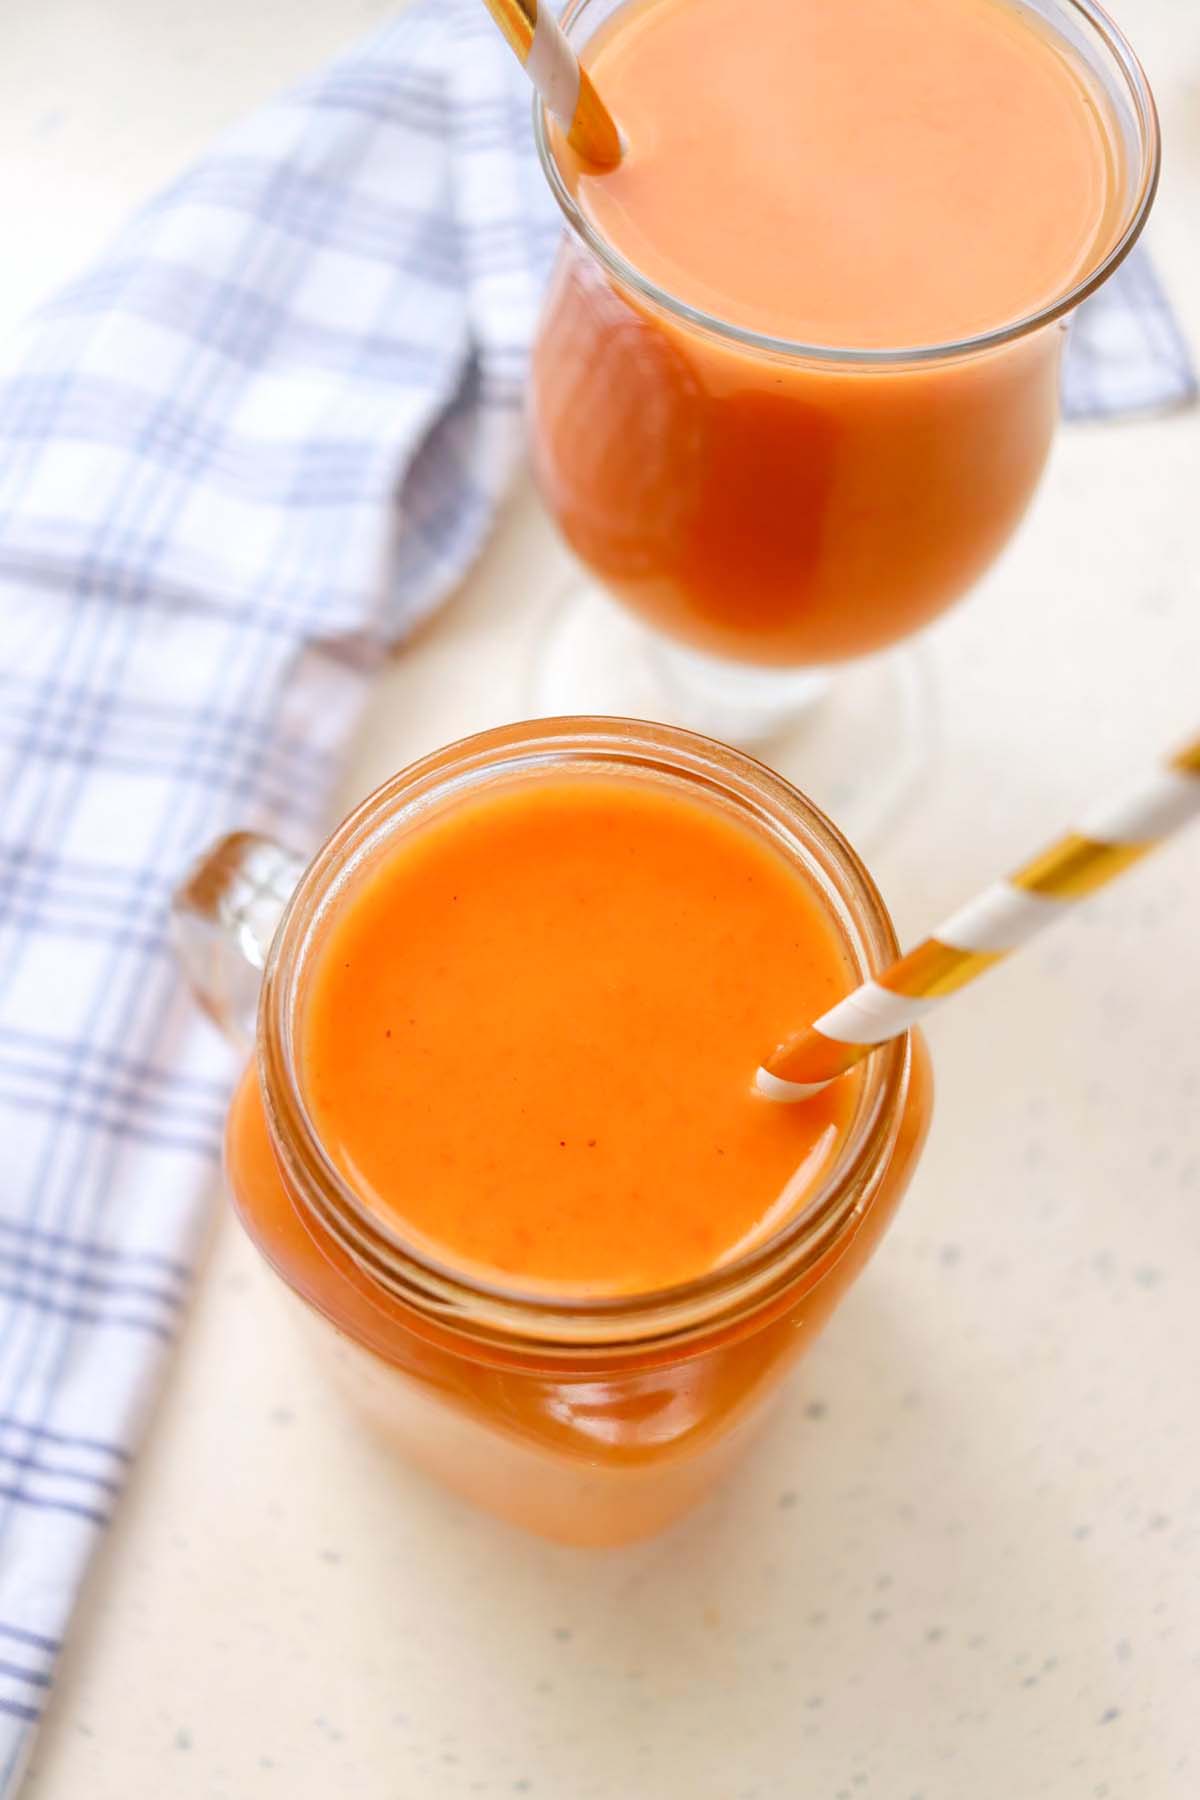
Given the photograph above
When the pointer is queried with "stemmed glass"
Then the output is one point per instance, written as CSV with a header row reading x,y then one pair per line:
x,y
771,516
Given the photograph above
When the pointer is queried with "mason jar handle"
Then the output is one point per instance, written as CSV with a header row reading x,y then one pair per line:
x,y
224,915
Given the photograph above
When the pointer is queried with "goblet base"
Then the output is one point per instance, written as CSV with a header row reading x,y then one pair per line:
x,y
858,738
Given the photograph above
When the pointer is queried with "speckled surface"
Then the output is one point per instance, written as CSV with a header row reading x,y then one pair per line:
x,y
964,1560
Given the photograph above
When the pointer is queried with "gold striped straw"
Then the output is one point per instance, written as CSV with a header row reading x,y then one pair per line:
x,y
1005,915
554,69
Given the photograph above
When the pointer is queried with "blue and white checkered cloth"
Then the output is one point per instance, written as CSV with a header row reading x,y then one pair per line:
x,y
238,460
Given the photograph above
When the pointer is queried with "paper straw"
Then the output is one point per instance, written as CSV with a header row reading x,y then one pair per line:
x,y
1108,840
554,69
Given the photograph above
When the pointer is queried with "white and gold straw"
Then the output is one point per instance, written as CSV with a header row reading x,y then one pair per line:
x,y
1004,916
554,69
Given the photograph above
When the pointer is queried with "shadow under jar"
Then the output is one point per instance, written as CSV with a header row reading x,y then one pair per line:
x,y
588,1420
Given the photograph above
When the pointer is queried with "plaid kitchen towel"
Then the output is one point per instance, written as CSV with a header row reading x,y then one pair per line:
x,y
1126,353
238,459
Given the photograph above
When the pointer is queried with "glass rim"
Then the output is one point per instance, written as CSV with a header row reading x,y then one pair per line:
x,y
471,1304
1136,214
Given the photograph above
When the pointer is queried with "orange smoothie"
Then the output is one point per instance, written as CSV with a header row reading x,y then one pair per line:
x,y
501,1138
530,1032
875,176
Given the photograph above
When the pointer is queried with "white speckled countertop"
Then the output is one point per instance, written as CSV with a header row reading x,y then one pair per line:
x,y
966,1558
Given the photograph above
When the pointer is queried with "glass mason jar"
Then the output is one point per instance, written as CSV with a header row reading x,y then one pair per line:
x,y
589,1421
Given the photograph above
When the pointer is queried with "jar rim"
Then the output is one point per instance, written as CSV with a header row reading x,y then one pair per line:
x,y
1125,62
487,1309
